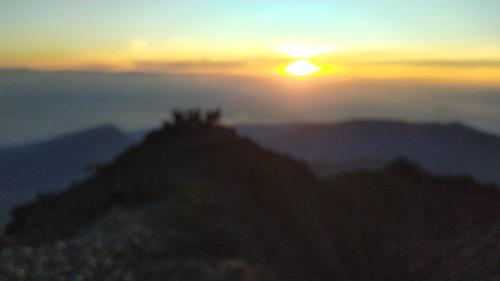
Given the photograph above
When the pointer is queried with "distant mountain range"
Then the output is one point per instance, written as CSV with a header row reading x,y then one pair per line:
x,y
329,149
194,201
333,148
51,165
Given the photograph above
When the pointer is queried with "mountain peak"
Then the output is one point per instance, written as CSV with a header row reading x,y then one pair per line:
x,y
214,177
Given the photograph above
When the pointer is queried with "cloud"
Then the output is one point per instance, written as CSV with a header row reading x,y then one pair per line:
x,y
188,65
440,63
246,64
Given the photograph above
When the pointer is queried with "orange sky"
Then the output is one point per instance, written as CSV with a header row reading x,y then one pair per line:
x,y
448,40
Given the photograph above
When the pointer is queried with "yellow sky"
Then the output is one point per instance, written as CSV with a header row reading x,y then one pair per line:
x,y
184,56
440,39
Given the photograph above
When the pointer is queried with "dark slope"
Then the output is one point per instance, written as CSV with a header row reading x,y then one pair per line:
x,y
198,202
393,222
442,149
49,166
237,200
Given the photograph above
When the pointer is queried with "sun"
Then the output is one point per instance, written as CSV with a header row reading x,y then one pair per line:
x,y
302,68
304,55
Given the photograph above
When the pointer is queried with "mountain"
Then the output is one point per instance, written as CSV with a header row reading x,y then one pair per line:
x,y
324,169
402,223
197,201
440,148
329,149
204,203
26,170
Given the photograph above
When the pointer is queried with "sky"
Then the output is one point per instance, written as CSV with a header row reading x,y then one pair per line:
x,y
439,39
72,64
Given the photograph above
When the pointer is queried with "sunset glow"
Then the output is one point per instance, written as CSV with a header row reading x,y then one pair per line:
x,y
198,37
302,68
305,51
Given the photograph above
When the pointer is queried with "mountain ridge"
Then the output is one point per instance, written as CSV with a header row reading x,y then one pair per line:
x,y
451,148
198,200
270,192
51,165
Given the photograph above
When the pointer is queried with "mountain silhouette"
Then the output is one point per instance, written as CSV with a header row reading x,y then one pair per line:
x,y
235,199
197,201
379,218
329,149
48,166
440,148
